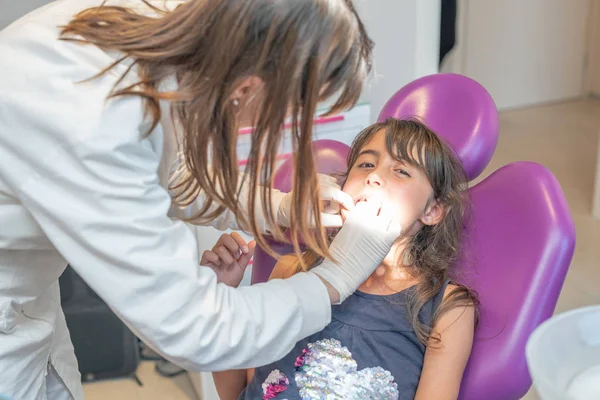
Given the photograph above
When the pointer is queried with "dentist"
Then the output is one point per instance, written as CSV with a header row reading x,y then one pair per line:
x,y
118,122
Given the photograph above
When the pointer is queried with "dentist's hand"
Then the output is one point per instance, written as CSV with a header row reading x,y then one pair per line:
x,y
229,258
334,200
359,248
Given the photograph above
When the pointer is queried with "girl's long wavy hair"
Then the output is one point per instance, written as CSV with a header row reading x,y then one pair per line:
x,y
430,254
304,51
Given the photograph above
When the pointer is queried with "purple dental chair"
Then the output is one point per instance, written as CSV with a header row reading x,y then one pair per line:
x,y
519,241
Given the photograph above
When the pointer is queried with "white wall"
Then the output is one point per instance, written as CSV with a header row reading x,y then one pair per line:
x,y
406,35
523,52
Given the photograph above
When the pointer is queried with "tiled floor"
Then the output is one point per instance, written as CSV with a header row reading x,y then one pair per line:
x,y
564,138
155,387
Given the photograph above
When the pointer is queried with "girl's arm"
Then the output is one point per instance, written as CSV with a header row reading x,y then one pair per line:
x,y
231,383
445,361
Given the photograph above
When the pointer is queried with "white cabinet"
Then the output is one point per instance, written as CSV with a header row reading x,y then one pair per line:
x,y
343,127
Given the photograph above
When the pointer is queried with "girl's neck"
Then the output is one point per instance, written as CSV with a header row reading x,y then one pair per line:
x,y
388,280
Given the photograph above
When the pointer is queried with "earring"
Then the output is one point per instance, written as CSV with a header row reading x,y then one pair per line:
x,y
236,102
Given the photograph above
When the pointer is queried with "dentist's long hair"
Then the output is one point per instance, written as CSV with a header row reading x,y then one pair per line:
x,y
304,51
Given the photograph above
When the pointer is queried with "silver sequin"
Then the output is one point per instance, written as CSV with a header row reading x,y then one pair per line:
x,y
330,373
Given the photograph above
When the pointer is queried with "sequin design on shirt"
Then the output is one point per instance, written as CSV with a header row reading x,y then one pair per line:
x,y
275,383
326,370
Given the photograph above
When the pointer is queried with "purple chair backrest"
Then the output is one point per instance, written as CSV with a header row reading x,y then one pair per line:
x,y
519,245
519,242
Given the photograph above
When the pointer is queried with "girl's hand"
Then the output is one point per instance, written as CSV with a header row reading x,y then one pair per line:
x,y
229,258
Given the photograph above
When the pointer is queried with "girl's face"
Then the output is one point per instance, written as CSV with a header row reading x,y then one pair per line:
x,y
377,176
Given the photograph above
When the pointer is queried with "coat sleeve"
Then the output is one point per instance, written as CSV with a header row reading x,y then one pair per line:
x,y
225,220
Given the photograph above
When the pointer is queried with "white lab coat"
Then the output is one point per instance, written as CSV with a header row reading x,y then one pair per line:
x,y
81,184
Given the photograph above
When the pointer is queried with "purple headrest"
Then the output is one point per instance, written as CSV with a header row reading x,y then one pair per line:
x,y
455,107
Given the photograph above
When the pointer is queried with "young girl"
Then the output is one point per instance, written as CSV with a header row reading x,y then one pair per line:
x,y
408,330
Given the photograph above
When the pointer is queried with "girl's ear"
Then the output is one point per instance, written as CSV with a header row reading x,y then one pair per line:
x,y
433,214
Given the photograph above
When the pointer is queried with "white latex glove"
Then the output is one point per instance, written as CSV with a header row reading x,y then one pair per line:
x,y
359,248
333,198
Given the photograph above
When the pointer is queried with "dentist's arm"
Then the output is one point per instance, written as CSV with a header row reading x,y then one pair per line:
x,y
99,202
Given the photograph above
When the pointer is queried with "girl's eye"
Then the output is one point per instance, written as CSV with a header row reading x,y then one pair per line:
x,y
365,165
403,172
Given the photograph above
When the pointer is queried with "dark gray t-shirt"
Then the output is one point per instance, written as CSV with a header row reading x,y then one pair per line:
x,y
368,351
